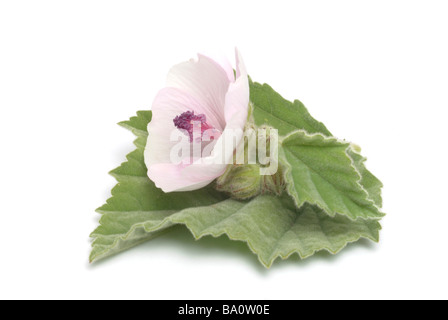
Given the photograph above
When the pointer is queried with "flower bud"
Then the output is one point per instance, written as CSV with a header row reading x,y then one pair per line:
x,y
245,181
273,184
241,181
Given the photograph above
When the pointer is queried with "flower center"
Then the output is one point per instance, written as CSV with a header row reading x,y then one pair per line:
x,y
195,125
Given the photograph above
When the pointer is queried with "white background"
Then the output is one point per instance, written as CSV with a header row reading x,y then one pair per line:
x,y
375,72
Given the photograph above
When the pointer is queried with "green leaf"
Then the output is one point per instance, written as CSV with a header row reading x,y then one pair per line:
x,y
329,185
272,227
319,170
139,124
135,196
270,108
273,110
370,183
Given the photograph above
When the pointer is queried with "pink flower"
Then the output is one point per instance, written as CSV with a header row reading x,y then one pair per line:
x,y
203,94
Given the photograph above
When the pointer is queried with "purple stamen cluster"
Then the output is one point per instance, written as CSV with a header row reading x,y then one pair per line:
x,y
185,122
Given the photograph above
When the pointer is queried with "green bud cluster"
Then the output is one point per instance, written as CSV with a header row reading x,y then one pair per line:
x,y
244,181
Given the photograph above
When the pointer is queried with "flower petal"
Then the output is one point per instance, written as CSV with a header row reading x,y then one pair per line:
x,y
168,104
170,178
237,97
206,81
205,87
236,113
222,61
